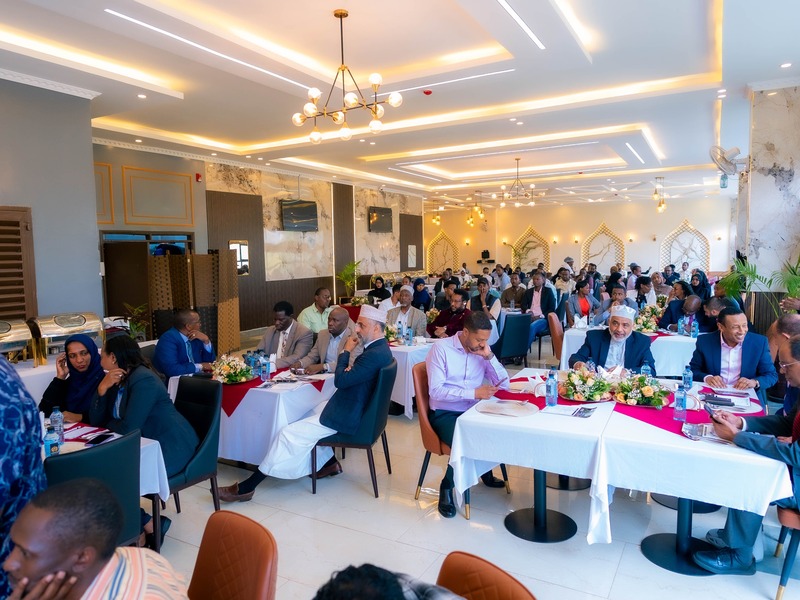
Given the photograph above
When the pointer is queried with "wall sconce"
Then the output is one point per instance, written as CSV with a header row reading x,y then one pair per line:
x,y
576,239
630,237
466,241
654,237
505,241
719,237
555,241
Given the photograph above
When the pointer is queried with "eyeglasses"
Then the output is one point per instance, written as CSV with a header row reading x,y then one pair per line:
x,y
784,365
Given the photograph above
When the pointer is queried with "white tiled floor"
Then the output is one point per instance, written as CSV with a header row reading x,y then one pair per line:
x,y
344,524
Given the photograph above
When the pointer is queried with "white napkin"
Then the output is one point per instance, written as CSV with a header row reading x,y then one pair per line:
x,y
581,323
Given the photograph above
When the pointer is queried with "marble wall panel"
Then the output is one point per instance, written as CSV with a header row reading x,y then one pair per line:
x,y
442,254
529,250
686,244
379,252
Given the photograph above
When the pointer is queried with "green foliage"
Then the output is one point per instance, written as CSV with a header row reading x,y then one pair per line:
x,y
137,320
349,276
789,277
745,278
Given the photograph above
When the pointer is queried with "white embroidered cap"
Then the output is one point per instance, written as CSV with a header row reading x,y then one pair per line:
x,y
626,312
372,313
408,289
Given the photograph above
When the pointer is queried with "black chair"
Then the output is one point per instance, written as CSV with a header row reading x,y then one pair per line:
x,y
513,342
200,401
372,427
115,463
561,308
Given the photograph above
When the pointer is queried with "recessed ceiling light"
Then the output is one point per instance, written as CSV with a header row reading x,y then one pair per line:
x,y
248,156
362,140
786,65
721,96
142,96
512,119
266,164
260,158
138,141
722,91
334,176
372,143
772,93
213,154
520,123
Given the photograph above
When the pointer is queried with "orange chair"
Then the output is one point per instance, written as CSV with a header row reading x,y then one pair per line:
x,y
238,560
430,440
474,578
556,334
789,519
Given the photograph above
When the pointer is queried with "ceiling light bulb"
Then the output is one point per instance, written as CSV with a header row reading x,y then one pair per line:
x,y
375,79
395,99
375,126
350,100
379,111
315,137
310,109
517,204
338,117
533,185
494,196
142,96
314,94
502,205
502,187
345,133
298,119
531,203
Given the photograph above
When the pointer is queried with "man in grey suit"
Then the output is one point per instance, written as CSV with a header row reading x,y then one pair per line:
x,y
288,340
330,343
407,314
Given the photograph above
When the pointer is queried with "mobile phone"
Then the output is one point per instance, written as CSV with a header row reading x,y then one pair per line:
x,y
710,411
717,400
99,439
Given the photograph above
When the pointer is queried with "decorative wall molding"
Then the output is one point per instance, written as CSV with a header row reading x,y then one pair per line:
x,y
686,244
529,249
47,84
603,248
105,194
442,253
167,196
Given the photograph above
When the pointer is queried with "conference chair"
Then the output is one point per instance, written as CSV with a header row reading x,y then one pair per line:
x,y
556,334
430,439
238,560
561,309
474,578
116,463
199,400
790,520
372,427
513,342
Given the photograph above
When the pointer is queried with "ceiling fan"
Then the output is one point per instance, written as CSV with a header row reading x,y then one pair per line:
x,y
726,159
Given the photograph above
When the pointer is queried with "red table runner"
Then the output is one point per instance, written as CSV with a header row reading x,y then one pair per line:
x,y
353,311
234,393
658,334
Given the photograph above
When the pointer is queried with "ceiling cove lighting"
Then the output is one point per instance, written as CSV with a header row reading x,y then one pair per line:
x,y
635,153
513,14
350,100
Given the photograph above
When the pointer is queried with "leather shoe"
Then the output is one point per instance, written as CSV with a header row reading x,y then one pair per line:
x,y
724,562
716,539
231,493
329,470
447,507
489,480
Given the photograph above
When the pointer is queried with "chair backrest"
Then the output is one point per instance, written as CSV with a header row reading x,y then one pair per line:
x,y
148,351
199,400
561,307
430,440
514,339
238,560
556,334
474,578
115,463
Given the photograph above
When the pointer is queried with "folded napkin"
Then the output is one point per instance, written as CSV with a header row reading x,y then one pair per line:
x,y
581,323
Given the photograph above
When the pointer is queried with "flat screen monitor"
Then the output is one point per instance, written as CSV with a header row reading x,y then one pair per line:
x,y
299,215
380,219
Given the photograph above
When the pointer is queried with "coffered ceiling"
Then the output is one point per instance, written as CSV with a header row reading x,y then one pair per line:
x,y
596,99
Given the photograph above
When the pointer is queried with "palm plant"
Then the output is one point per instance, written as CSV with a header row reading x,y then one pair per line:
x,y
349,276
744,278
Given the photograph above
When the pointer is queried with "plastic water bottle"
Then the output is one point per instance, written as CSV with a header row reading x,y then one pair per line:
x,y
679,406
695,328
409,336
688,378
264,370
512,306
646,371
401,331
57,423
681,326
51,446
551,389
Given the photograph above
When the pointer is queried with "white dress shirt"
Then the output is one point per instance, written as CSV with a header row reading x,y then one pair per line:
x,y
283,341
730,362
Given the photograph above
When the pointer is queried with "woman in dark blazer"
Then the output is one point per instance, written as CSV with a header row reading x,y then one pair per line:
x,y
78,373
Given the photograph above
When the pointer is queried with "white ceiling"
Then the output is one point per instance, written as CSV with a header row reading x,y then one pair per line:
x,y
616,78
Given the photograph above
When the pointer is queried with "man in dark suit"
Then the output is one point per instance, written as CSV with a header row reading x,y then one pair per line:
x,y
734,357
183,349
616,346
446,276
776,437
289,457
330,344
288,340
688,309
540,301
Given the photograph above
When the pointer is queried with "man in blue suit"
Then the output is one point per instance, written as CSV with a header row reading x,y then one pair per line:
x,y
776,437
734,357
184,349
289,457
616,346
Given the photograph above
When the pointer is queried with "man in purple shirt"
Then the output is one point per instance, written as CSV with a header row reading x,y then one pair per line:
x,y
458,367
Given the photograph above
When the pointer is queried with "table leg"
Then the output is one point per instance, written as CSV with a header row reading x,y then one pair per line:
x,y
566,483
538,524
698,508
673,551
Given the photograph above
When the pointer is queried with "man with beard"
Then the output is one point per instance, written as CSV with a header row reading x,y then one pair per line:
x,y
451,320
514,292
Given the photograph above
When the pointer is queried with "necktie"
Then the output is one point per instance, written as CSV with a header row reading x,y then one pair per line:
x,y
796,427
189,351
282,347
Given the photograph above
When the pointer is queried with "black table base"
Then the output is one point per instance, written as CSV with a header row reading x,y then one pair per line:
x,y
673,551
567,484
698,508
538,524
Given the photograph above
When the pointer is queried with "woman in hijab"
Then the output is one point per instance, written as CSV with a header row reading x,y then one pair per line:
x,y
379,292
700,286
78,372
422,299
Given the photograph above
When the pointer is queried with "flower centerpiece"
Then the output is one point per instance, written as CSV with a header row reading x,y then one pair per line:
x,y
661,301
390,331
647,321
432,314
584,385
359,300
231,369
641,390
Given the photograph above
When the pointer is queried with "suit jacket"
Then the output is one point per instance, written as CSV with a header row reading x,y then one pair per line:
x,y
320,349
416,320
145,405
672,314
354,388
595,348
605,310
171,359
756,361
574,306
548,300
297,346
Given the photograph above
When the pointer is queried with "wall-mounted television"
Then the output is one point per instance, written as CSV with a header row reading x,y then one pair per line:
x,y
380,219
299,215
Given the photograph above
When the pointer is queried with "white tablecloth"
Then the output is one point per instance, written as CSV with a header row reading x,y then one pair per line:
x,y
403,390
36,379
153,474
671,352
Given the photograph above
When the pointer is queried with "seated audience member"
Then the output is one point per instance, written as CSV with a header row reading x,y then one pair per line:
x,y
592,276
464,276
617,299
287,339
685,273
379,292
442,299
782,329
775,437
707,318
659,287
563,281
484,301
369,582
457,368
392,301
501,279
464,268
421,298
582,304
643,294
446,276
315,317
700,286
670,276
407,281
569,265
451,319
615,278
65,547
22,474
78,372
183,349
735,358
330,344
289,456
539,300
676,309
487,274
680,291
619,345
636,272
720,292
513,292
406,316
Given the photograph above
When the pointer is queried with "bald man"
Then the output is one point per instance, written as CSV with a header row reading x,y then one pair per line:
x,y
330,344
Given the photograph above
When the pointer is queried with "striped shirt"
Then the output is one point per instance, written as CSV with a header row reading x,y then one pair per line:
x,y
136,573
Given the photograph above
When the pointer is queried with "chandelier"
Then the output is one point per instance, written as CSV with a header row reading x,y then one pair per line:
x,y
517,191
659,196
350,100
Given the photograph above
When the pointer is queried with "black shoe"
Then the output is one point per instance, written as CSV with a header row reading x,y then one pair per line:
x,y
724,562
150,539
447,507
396,409
518,361
489,480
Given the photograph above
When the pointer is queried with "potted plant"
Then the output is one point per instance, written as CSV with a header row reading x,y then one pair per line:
x,y
349,277
744,279
137,321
